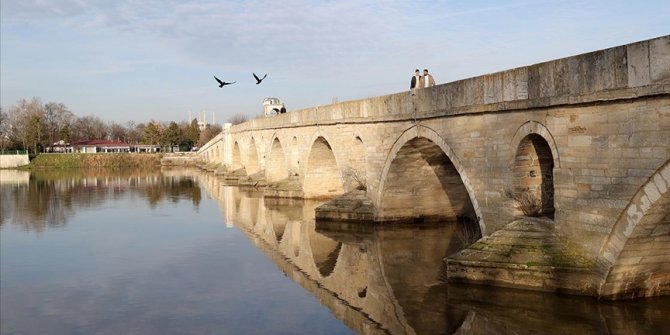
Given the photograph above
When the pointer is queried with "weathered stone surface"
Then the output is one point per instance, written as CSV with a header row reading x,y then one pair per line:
x,y
286,188
659,59
526,253
352,206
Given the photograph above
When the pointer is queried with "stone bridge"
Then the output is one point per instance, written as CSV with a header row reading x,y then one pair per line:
x,y
581,143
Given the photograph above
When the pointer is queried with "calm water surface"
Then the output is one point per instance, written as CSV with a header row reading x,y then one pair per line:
x,y
177,252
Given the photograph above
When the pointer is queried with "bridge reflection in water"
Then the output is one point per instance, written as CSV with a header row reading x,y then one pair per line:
x,y
388,279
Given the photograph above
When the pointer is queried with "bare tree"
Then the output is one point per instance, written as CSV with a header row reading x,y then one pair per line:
x,y
30,125
25,121
89,128
118,132
135,131
209,133
4,130
56,118
238,118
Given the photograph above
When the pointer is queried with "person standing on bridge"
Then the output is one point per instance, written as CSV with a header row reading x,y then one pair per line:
x,y
428,80
416,82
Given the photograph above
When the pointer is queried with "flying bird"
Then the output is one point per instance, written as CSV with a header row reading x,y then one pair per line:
x,y
223,83
258,80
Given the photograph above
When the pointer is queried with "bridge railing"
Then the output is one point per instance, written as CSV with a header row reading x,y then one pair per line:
x,y
13,152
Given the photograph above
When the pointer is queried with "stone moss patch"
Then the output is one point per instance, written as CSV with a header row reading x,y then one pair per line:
x,y
527,243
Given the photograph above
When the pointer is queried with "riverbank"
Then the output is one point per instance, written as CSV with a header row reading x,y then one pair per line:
x,y
189,158
96,160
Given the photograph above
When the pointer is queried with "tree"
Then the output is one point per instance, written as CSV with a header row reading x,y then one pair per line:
x,y
29,124
209,133
89,128
151,133
56,117
4,130
65,133
35,133
134,134
25,120
238,118
192,134
118,132
172,135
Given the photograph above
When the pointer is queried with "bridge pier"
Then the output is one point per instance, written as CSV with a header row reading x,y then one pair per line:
x,y
528,253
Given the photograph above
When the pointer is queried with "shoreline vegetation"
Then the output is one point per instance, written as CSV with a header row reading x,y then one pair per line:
x,y
106,160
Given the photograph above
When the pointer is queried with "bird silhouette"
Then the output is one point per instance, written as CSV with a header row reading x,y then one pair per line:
x,y
223,83
259,80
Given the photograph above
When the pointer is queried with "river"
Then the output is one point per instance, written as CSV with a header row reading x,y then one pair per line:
x,y
177,251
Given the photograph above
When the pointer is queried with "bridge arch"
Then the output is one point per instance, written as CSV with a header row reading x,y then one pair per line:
x,y
237,157
532,177
246,208
271,224
397,254
253,165
322,172
437,176
276,166
325,252
636,249
534,127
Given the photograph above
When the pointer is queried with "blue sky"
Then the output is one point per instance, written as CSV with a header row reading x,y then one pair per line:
x,y
144,60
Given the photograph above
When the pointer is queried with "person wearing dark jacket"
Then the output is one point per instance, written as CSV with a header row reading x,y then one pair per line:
x,y
416,80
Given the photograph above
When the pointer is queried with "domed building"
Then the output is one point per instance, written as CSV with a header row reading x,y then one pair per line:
x,y
273,106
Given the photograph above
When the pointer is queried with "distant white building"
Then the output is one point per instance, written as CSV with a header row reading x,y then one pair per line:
x,y
202,125
202,120
103,146
273,106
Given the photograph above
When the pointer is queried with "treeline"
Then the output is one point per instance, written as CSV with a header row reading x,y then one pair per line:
x,y
34,126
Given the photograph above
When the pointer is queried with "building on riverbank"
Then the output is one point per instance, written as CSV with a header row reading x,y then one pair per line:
x,y
103,146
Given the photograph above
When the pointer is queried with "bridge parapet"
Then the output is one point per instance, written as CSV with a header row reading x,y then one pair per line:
x,y
623,72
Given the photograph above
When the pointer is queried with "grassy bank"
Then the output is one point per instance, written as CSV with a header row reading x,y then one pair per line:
x,y
95,160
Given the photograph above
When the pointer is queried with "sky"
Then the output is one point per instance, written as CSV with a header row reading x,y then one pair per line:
x,y
143,60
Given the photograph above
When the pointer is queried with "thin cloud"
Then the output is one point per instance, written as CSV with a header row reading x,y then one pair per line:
x,y
312,50
243,33
485,9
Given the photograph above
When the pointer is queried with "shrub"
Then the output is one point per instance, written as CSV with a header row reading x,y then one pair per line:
x,y
353,177
526,200
468,232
